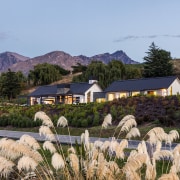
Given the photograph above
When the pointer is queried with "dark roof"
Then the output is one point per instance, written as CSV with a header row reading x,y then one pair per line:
x,y
79,88
97,95
75,88
141,84
44,91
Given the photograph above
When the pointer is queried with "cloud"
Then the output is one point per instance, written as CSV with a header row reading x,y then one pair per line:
x,y
133,37
3,36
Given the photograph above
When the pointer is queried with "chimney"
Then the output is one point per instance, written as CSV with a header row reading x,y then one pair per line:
x,y
92,80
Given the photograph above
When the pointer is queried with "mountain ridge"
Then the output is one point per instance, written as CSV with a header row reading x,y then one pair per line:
x,y
17,62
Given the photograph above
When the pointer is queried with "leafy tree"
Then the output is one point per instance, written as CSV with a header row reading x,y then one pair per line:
x,y
157,62
45,73
79,68
10,85
133,71
105,74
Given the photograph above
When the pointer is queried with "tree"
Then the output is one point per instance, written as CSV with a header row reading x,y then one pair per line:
x,y
9,85
45,73
157,62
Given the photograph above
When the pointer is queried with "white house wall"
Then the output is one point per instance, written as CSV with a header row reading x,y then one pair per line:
x,y
92,89
174,88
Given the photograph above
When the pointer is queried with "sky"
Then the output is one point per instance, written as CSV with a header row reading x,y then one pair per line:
x,y
89,27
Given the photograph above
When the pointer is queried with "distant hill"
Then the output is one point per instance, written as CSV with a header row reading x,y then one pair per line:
x,y
7,59
65,60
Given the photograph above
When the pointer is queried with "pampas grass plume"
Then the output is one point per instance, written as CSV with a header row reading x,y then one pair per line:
x,y
30,141
57,161
124,119
47,145
46,131
27,163
107,121
74,162
62,121
128,125
134,132
6,167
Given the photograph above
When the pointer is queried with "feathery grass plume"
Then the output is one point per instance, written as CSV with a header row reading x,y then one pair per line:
x,y
173,169
30,141
38,115
128,125
101,166
82,137
124,119
150,172
153,139
86,140
6,151
74,163
26,163
57,161
173,135
120,149
170,176
133,164
44,118
113,146
62,121
26,151
105,146
90,168
46,131
107,121
158,132
98,144
47,145
114,169
134,132
71,150
158,155
142,147
176,164
6,167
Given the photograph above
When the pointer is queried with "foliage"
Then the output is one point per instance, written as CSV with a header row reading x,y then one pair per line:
x,y
105,74
11,84
79,68
157,62
45,73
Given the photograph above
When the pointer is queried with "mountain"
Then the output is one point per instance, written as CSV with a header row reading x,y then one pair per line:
x,y
60,58
118,55
7,59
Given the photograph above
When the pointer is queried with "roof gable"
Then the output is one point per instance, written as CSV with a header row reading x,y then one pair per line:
x,y
141,84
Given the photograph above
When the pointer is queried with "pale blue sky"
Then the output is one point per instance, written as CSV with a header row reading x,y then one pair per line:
x,y
89,27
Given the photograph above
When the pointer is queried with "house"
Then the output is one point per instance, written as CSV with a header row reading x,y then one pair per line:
x,y
67,93
161,86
